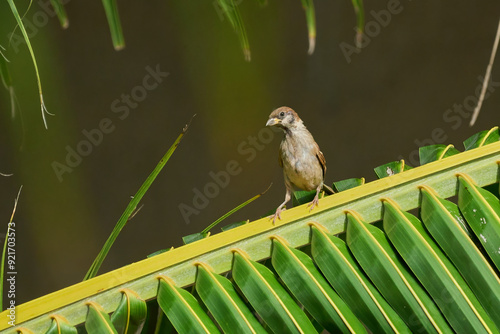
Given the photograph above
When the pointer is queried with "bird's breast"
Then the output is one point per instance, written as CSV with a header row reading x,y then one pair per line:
x,y
300,164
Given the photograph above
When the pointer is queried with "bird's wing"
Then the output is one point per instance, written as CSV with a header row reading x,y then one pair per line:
x,y
280,159
321,159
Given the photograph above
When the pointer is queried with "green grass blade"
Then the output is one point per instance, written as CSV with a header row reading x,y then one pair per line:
x,y
7,80
381,263
481,209
4,71
309,286
209,227
230,9
61,13
115,26
182,309
98,321
60,326
10,233
311,24
344,274
435,271
444,221
360,18
131,314
224,303
94,268
271,301
28,43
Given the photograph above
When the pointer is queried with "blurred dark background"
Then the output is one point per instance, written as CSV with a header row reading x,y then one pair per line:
x,y
402,90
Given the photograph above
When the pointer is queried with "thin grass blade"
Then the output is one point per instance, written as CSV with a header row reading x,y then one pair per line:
x,y
10,237
445,223
242,205
182,309
311,24
232,13
131,314
436,273
360,19
224,303
61,13
129,211
115,26
344,274
271,301
28,43
307,284
7,81
381,263
98,321
481,209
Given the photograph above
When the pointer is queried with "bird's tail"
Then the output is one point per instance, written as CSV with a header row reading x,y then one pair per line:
x,y
328,190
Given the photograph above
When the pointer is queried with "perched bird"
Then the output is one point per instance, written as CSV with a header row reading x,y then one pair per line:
x,y
304,165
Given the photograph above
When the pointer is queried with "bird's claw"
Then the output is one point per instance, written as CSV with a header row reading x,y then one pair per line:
x,y
314,203
276,215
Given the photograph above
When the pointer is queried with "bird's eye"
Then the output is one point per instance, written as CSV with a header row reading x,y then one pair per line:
x,y
282,114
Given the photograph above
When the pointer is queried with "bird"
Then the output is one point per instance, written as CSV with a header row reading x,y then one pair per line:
x,y
303,163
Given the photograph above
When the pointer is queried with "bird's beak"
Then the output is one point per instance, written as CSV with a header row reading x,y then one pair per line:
x,y
273,121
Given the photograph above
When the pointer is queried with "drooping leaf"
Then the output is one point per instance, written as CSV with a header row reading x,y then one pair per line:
x,y
224,303
232,13
482,138
435,271
182,309
391,168
307,284
360,18
131,207
115,26
98,321
446,225
311,24
399,287
7,81
131,314
342,271
61,13
28,43
271,301
435,152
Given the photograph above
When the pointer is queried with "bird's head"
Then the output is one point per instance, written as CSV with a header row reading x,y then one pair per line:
x,y
284,117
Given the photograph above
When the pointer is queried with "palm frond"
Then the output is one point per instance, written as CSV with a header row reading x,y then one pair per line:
x,y
358,260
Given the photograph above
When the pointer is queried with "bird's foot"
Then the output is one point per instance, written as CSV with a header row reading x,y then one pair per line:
x,y
276,215
314,203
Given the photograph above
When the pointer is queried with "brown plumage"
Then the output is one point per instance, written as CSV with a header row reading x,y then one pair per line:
x,y
304,165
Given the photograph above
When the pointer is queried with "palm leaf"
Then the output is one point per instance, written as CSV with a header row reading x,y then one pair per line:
x,y
289,291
